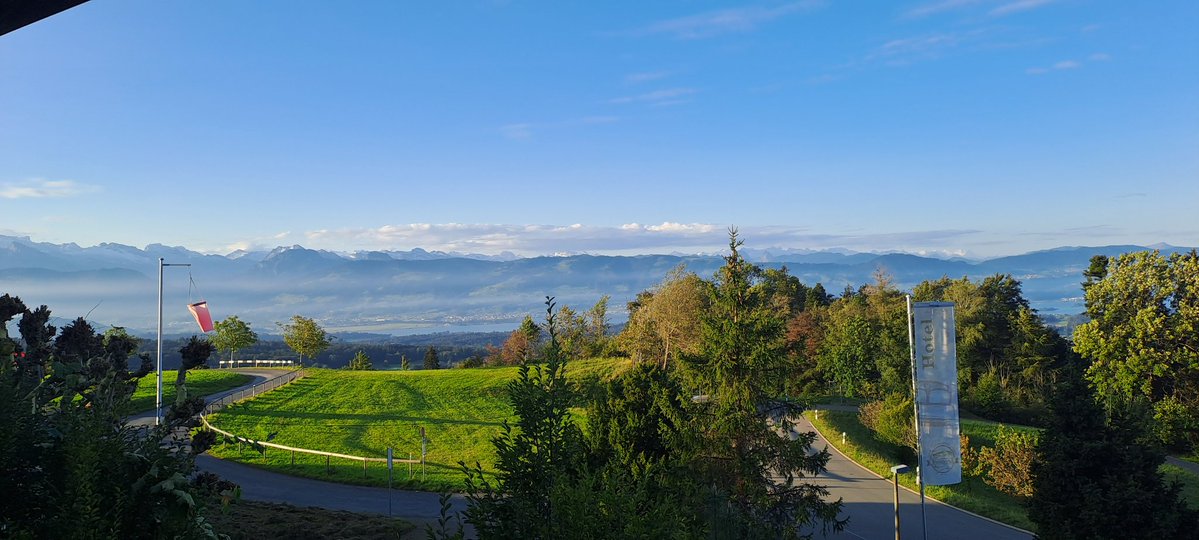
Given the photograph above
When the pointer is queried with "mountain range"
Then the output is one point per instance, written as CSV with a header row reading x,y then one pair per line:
x,y
400,292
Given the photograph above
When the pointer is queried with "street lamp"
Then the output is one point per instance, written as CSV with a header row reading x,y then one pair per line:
x,y
158,402
895,472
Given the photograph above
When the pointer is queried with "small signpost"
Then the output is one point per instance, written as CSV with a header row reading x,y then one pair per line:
x,y
424,451
389,465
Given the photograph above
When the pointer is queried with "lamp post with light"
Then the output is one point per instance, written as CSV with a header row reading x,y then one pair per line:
x,y
895,472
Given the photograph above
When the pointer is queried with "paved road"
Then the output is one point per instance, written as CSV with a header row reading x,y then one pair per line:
x,y
868,499
261,485
869,502
147,418
1188,466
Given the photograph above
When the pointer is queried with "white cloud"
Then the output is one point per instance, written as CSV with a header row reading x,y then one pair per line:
x,y
1018,6
637,78
1099,57
907,50
934,8
656,97
1059,66
43,189
666,237
725,21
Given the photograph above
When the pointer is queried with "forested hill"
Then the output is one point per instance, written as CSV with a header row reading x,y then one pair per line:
x,y
399,292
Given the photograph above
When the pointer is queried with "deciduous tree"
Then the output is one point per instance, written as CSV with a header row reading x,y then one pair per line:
x,y
233,334
305,337
1143,335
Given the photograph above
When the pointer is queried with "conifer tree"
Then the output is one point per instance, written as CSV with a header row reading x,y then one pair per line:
x,y
361,362
431,361
742,425
1098,478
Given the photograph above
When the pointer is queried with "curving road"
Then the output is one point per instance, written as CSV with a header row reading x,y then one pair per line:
x,y
869,502
146,418
868,499
261,485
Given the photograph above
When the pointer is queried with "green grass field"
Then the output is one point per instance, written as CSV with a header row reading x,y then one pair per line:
x,y
362,413
1189,481
200,382
972,494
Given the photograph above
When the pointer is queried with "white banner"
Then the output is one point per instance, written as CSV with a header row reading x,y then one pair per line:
x,y
936,368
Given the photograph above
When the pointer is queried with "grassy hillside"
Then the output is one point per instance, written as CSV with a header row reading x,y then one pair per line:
x,y
200,382
362,413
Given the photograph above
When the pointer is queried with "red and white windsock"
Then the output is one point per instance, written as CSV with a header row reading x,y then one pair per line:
x,y
203,317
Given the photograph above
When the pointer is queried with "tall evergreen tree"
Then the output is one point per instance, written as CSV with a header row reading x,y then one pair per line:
x,y
535,456
431,361
741,427
361,362
1098,478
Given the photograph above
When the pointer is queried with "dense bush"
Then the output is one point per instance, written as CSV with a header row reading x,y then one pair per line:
x,y
70,466
989,397
1008,465
892,421
1175,425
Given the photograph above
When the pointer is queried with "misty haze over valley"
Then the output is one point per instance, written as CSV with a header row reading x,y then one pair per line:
x,y
403,292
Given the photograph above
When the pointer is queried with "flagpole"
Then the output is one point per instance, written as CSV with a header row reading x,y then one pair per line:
x,y
916,411
158,400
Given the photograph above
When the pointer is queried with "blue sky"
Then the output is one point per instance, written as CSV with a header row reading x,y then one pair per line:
x,y
980,127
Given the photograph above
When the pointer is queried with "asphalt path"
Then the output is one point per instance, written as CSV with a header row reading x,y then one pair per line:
x,y
146,418
868,500
869,503
262,485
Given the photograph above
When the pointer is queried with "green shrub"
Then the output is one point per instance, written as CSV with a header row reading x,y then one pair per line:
x,y
892,422
1008,466
989,397
1175,425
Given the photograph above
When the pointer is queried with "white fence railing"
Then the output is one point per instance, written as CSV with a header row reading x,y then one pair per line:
x,y
231,364
267,386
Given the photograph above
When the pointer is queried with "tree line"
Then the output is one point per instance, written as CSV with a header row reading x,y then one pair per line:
x,y
702,446
1111,403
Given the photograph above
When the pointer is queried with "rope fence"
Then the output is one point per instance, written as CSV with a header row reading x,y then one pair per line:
x,y
267,386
